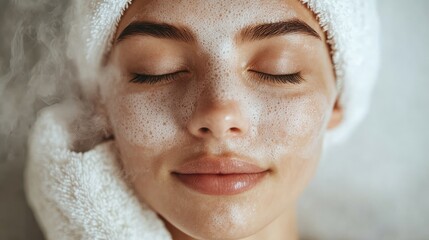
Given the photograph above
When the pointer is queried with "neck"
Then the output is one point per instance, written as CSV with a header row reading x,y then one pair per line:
x,y
283,227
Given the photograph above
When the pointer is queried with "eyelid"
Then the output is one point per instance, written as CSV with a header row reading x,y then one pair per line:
x,y
143,78
291,78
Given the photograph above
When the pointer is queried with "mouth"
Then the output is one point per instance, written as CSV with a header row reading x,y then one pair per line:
x,y
220,176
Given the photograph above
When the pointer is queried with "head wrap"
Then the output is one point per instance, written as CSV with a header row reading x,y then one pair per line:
x,y
352,29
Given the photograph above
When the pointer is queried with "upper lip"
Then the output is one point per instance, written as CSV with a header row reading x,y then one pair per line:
x,y
218,165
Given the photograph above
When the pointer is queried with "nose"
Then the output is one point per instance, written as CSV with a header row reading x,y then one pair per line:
x,y
218,120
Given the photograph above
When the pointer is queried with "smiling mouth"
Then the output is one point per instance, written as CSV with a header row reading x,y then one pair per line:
x,y
220,176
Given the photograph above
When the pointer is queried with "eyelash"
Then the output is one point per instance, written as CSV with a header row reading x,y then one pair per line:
x,y
153,79
293,78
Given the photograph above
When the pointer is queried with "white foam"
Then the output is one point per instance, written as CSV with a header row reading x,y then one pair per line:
x,y
157,119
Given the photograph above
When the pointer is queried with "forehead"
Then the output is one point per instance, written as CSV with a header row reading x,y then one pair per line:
x,y
217,17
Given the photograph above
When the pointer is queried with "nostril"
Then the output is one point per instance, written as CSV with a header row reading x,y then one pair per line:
x,y
232,131
204,130
235,130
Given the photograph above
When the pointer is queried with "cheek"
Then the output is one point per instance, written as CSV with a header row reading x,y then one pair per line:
x,y
143,120
305,116
296,125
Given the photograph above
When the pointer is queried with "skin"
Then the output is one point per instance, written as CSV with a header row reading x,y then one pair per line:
x,y
277,126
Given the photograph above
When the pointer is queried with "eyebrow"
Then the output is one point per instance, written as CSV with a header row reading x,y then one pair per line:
x,y
250,33
269,30
158,30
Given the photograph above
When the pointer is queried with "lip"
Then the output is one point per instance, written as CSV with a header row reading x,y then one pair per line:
x,y
219,176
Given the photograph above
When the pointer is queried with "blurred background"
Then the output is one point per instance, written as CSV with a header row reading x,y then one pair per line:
x,y
375,186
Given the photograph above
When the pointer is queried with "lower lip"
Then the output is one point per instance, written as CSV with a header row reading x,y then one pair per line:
x,y
221,184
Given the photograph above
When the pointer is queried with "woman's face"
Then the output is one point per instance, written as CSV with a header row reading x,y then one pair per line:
x,y
219,109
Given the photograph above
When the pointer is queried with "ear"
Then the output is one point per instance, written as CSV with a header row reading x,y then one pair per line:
x,y
337,115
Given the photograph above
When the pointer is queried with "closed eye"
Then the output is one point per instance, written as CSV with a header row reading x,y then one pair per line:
x,y
153,79
293,78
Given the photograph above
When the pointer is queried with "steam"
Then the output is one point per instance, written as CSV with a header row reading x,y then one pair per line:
x,y
35,71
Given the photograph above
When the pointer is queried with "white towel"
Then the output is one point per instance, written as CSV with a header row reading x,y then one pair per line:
x,y
352,28
82,195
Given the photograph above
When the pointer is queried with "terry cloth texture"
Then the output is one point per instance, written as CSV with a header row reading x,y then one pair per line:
x,y
82,195
352,29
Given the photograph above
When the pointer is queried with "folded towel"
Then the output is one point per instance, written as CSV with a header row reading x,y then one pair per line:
x,y
82,195
352,28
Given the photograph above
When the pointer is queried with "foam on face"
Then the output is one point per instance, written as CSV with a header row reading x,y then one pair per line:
x,y
148,119
281,126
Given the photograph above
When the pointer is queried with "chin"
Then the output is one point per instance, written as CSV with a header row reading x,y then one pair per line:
x,y
220,227
222,218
